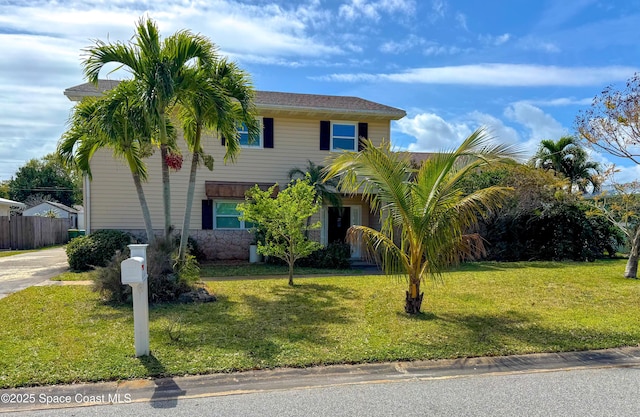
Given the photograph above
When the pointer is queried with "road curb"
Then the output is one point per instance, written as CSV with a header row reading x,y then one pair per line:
x,y
176,388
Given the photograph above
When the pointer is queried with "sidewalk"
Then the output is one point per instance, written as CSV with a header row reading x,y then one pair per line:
x,y
165,389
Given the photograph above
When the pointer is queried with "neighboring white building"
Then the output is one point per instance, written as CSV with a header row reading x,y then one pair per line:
x,y
62,211
6,206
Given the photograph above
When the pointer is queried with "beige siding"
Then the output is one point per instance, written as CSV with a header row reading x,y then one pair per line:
x,y
114,203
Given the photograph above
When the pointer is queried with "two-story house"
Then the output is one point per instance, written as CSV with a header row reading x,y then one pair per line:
x,y
296,128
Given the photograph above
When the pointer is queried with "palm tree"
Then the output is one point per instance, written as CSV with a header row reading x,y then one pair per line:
x,y
567,158
325,188
424,212
114,121
157,68
218,97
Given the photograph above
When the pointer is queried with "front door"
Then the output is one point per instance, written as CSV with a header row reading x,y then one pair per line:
x,y
338,222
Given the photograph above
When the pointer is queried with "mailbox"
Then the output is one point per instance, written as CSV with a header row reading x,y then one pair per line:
x,y
133,270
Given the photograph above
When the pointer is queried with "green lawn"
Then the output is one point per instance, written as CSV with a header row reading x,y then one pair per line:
x,y
249,270
480,309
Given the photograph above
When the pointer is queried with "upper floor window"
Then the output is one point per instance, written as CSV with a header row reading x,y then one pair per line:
x,y
344,136
244,138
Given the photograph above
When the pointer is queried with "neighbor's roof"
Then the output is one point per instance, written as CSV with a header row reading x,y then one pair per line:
x,y
278,102
7,202
57,205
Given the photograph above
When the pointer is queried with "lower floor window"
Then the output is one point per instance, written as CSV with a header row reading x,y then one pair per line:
x,y
226,216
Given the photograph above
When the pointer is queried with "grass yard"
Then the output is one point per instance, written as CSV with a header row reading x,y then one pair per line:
x,y
245,269
66,334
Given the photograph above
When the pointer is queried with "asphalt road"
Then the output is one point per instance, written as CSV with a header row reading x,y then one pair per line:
x,y
18,272
567,393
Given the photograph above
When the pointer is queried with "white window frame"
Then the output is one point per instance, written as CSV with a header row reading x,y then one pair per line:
x,y
258,144
355,139
215,216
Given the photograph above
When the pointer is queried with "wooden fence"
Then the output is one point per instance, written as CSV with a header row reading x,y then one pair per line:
x,y
32,232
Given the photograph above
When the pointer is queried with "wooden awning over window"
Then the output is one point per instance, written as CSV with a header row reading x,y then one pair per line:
x,y
226,189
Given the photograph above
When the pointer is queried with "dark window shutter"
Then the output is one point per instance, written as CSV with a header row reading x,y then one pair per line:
x,y
325,135
363,132
223,141
267,123
207,214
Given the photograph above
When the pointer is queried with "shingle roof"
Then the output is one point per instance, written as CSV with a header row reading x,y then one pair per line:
x,y
277,101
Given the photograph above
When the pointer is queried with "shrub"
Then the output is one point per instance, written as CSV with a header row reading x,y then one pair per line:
x,y
335,255
192,247
108,283
166,279
97,249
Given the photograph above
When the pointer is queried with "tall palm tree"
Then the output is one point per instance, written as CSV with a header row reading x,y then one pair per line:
x,y
219,97
158,67
567,158
424,212
114,121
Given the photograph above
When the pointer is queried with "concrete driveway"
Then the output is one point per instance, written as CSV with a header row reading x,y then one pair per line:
x,y
18,272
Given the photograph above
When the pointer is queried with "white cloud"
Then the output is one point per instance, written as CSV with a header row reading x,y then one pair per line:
x,y
409,42
503,75
533,44
462,21
373,9
538,124
562,101
495,40
436,50
529,125
432,132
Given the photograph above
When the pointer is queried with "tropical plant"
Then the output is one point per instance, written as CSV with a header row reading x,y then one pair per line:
x,y
424,212
216,97
283,219
158,70
116,121
325,188
567,158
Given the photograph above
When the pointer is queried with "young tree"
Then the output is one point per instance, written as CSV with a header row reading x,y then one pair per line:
x,y
622,208
424,212
157,67
612,124
284,220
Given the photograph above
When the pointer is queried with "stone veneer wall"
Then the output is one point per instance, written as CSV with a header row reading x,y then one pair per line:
x,y
216,244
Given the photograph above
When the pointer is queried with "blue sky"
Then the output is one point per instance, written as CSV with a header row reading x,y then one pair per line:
x,y
522,68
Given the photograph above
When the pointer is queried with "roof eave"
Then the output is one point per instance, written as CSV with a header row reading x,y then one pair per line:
x,y
380,114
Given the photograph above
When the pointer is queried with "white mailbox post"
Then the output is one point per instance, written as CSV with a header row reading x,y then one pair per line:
x,y
134,273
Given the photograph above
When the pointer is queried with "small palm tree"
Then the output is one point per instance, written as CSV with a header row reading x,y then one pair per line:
x,y
325,188
424,212
114,121
157,67
567,158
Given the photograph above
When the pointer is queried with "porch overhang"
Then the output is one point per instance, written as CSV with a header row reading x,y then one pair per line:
x,y
230,189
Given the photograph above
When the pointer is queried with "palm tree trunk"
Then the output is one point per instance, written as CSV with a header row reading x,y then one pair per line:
x,y
631,270
189,204
413,301
166,184
145,209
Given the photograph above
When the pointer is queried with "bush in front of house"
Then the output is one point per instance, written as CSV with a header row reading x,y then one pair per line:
x,y
335,255
87,252
167,280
